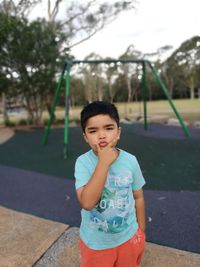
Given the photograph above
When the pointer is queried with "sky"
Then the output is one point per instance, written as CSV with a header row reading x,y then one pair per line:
x,y
154,24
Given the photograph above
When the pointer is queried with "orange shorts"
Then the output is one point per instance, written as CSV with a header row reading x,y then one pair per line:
x,y
128,254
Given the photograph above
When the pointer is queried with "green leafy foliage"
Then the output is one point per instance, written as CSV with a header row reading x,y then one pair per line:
x,y
28,59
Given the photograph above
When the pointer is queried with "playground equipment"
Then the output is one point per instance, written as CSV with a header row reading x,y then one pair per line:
x,y
66,71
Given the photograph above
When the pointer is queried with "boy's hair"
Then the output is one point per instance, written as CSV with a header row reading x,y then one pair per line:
x,y
98,108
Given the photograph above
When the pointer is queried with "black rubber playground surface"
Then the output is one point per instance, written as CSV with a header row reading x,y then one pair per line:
x,y
37,180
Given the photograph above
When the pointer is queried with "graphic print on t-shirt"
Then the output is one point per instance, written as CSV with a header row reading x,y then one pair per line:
x,y
112,212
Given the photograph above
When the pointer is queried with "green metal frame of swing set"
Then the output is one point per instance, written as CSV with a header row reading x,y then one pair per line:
x,y
67,67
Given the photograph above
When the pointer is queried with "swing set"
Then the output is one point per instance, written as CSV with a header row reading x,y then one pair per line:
x,y
66,73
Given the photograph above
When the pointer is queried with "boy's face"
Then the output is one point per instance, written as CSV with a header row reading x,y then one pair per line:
x,y
101,129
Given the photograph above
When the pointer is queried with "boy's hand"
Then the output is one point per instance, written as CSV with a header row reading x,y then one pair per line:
x,y
108,154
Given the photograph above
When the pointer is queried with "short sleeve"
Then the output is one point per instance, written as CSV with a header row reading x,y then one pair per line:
x,y
138,179
82,174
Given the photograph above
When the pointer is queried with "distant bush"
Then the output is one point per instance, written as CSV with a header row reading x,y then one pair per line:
x,y
22,122
9,123
75,120
55,121
61,121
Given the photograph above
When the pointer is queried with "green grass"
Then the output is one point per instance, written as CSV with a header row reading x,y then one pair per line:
x,y
161,107
188,109
157,110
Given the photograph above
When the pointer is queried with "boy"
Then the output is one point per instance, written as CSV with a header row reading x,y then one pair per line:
x,y
109,188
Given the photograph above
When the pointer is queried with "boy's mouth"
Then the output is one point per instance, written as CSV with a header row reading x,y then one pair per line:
x,y
103,144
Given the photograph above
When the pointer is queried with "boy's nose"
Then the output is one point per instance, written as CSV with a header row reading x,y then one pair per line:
x,y
102,135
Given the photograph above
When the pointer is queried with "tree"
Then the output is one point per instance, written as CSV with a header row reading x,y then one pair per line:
x,y
92,75
18,8
131,71
28,58
120,93
77,91
83,19
185,62
111,75
156,58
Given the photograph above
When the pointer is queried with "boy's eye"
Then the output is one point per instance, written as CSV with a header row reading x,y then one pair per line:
x,y
109,128
93,131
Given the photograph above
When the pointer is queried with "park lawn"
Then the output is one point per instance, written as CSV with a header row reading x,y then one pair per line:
x,y
189,109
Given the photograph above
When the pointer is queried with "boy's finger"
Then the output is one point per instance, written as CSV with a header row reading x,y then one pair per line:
x,y
97,147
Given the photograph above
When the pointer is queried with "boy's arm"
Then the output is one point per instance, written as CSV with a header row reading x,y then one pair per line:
x,y
90,194
140,208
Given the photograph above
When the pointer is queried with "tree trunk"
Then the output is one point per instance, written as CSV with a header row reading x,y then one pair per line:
x,y
111,95
191,92
100,95
99,91
34,108
4,111
171,87
129,89
136,96
48,104
170,84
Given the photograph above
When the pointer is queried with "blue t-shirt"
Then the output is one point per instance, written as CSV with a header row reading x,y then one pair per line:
x,y
113,220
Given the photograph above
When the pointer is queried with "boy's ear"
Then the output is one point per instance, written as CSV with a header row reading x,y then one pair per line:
x,y
85,137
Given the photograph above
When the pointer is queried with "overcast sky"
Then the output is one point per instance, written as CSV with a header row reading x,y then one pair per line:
x,y
154,24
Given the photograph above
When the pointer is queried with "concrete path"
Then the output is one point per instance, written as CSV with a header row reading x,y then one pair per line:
x,y
5,134
29,241
25,238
